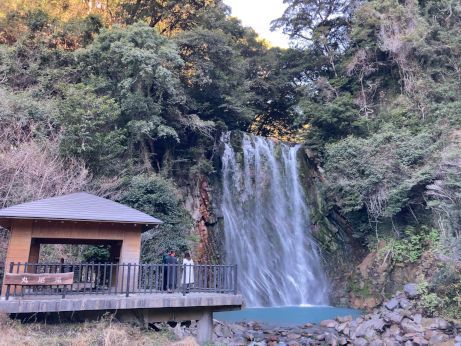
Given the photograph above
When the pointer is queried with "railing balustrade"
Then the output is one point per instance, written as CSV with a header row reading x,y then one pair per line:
x,y
126,279
2,270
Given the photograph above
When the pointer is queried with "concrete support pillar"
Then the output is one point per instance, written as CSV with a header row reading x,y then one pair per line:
x,y
205,327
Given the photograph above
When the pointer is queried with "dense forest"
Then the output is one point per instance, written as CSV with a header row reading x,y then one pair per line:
x,y
128,99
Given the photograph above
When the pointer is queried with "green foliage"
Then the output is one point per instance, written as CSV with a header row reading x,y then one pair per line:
x,y
361,288
37,19
159,197
446,283
429,301
379,173
89,128
410,247
166,16
96,254
333,119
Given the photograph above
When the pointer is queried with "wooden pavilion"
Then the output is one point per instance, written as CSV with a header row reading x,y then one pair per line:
x,y
77,218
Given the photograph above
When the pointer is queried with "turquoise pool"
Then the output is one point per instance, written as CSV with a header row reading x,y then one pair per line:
x,y
286,316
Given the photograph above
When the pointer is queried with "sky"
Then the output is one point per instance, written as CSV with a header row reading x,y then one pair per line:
x,y
258,14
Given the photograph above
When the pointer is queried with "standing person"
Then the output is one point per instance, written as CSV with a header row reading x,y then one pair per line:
x,y
188,274
165,256
172,271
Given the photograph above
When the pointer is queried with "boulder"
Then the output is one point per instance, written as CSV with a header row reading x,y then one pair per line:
x,y
394,330
342,340
391,304
435,337
294,343
240,341
329,324
273,338
237,328
417,318
441,323
343,319
374,324
319,337
404,303
392,316
223,331
419,340
411,290
410,326
340,327
331,340
249,336
434,323
293,336
390,342
360,342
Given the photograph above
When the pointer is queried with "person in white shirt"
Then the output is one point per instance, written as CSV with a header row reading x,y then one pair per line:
x,y
188,274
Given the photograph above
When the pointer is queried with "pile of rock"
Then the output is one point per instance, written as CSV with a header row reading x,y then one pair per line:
x,y
396,322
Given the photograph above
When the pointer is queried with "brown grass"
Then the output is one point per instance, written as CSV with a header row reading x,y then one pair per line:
x,y
106,332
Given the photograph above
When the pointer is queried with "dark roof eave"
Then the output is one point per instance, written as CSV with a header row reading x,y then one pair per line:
x,y
5,217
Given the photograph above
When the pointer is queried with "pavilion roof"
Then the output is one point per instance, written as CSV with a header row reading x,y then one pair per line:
x,y
80,206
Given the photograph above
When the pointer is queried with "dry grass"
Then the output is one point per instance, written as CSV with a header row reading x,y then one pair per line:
x,y
106,332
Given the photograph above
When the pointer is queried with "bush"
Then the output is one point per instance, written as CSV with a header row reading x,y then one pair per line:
x,y
410,247
380,174
159,197
429,301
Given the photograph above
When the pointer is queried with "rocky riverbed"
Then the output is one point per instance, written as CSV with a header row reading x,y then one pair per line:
x,y
397,322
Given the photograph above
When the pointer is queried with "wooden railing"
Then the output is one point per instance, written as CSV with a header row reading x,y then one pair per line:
x,y
111,278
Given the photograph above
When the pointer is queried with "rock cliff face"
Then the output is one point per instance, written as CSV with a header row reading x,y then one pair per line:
x,y
202,201
341,252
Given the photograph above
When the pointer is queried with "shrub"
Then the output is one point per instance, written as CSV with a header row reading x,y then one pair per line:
x,y
159,197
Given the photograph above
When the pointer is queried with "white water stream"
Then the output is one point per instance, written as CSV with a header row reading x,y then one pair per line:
x,y
267,227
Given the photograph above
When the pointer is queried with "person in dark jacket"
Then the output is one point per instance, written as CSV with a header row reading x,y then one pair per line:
x,y
165,256
172,262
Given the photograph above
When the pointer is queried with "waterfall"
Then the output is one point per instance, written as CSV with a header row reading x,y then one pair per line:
x,y
267,227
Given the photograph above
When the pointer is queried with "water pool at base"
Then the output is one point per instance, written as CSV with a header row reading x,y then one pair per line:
x,y
285,316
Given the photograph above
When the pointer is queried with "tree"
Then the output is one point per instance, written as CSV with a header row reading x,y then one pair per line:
x,y
139,70
89,131
159,197
167,16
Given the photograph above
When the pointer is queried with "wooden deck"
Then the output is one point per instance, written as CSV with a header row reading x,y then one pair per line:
x,y
129,291
37,304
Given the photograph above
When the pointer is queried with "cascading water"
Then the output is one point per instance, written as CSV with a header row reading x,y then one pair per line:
x,y
266,225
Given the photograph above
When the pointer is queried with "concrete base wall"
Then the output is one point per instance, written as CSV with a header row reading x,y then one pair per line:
x,y
118,302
